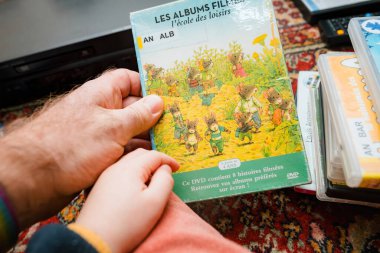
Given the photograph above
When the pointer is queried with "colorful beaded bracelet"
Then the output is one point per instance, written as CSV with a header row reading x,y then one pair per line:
x,y
9,227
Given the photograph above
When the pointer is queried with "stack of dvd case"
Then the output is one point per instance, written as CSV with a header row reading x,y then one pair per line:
x,y
344,111
348,170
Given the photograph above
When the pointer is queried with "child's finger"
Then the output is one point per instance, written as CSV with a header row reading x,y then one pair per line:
x,y
148,163
133,155
160,187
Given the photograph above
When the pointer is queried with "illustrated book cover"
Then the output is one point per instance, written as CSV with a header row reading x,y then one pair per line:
x,y
355,122
230,118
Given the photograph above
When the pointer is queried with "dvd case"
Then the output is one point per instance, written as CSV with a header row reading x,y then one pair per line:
x,y
322,183
230,118
334,165
336,149
365,37
351,114
307,80
337,188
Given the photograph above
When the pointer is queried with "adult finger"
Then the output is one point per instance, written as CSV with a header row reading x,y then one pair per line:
x,y
124,80
138,117
130,100
119,81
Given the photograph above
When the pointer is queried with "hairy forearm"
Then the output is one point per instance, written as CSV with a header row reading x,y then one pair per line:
x,y
24,169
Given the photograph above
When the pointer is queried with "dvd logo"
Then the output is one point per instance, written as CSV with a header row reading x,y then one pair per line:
x,y
198,180
292,175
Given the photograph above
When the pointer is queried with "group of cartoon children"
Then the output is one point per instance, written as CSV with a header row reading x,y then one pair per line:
x,y
188,134
199,79
156,81
246,114
248,110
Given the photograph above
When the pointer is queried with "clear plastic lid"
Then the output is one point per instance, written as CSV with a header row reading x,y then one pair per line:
x,y
334,169
365,37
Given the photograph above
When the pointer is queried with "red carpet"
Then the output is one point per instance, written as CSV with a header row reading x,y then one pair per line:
x,y
274,221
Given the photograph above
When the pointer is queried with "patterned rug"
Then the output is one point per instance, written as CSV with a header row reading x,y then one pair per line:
x,y
272,221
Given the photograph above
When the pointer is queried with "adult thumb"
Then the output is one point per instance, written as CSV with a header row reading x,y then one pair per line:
x,y
139,116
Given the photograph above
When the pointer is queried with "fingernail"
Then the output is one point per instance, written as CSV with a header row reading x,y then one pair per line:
x,y
167,168
154,102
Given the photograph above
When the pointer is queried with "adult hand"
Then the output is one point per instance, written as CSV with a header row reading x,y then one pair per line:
x,y
129,198
67,146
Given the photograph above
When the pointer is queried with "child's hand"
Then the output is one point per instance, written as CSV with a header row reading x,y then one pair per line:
x,y
129,198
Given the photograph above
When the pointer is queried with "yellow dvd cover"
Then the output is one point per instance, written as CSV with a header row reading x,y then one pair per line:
x,y
230,118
